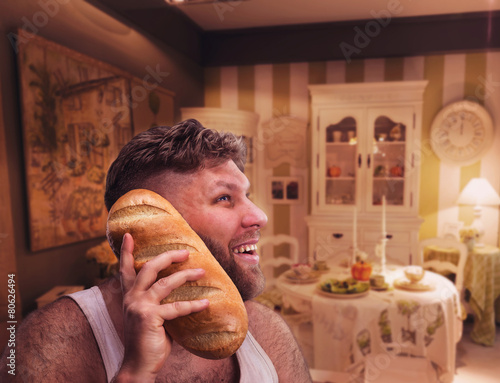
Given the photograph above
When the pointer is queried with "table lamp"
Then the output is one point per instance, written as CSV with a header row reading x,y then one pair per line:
x,y
478,192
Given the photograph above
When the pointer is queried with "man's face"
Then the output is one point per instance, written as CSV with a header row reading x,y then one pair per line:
x,y
214,201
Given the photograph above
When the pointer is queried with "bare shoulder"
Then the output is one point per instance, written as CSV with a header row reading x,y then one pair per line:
x,y
259,314
265,325
56,343
277,340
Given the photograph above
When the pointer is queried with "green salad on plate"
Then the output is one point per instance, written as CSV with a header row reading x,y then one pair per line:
x,y
346,286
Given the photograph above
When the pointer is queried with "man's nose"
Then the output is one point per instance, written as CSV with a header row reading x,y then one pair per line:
x,y
254,216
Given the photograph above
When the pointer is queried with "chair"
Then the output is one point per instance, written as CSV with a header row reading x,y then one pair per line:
x,y
270,266
270,263
325,376
445,265
298,318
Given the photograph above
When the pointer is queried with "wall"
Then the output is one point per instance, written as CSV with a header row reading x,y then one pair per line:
x,y
81,27
281,89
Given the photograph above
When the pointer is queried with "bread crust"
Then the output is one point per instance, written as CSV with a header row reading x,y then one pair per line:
x,y
156,226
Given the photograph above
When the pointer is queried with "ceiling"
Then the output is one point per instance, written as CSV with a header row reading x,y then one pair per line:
x,y
245,32
211,15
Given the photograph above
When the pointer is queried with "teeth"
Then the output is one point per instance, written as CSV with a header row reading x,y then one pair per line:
x,y
242,249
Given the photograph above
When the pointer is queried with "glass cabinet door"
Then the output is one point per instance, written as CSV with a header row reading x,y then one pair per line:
x,y
390,133
338,165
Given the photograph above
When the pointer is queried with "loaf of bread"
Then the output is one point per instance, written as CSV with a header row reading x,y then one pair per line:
x,y
156,226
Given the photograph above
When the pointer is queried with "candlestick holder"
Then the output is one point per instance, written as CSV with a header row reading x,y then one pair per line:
x,y
353,256
357,255
380,252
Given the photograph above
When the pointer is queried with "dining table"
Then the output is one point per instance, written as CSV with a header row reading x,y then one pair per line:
x,y
396,321
482,281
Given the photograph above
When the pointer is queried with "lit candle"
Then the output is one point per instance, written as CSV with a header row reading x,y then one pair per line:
x,y
384,231
354,228
384,237
354,234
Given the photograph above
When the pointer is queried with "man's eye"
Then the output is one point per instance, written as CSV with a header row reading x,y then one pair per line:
x,y
223,198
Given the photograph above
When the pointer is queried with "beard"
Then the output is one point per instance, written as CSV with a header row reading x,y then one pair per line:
x,y
249,281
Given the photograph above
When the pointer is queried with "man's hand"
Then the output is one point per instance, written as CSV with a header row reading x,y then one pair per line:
x,y
147,345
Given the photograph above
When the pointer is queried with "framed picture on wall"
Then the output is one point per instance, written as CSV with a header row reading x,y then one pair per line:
x,y
76,116
285,190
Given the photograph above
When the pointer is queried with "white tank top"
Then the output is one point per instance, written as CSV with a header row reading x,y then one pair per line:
x,y
255,365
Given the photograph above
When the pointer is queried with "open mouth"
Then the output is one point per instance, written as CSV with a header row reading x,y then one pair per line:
x,y
247,253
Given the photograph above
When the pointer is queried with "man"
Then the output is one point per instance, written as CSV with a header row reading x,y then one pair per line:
x,y
114,332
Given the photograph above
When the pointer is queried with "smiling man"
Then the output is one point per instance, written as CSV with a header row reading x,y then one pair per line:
x,y
114,332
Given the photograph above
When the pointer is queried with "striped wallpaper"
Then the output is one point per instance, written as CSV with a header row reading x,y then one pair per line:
x,y
281,89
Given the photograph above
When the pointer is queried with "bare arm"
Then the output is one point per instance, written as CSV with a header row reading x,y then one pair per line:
x,y
55,344
275,337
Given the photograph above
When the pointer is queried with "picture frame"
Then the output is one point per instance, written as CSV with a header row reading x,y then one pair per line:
x,y
77,113
285,190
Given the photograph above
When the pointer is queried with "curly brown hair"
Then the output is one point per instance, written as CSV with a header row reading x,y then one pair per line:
x,y
183,148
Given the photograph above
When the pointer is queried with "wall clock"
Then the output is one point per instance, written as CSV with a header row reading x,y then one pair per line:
x,y
461,133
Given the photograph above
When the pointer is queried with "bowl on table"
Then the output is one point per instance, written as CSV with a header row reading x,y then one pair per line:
x,y
414,273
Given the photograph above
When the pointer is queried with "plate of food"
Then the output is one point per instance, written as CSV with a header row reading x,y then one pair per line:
x,y
321,267
343,288
302,274
378,283
406,284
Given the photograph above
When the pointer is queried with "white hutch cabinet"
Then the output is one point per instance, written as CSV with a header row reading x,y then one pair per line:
x,y
365,145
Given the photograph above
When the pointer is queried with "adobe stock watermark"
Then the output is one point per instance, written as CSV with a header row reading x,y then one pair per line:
x,y
11,324
221,7
485,88
372,29
38,20
278,123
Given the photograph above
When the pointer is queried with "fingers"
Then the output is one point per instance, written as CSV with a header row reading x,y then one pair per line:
x,y
149,271
178,309
127,263
164,286
145,282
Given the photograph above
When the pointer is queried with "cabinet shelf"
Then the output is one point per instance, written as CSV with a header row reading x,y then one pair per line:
x,y
346,178
389,143
341,144
388,179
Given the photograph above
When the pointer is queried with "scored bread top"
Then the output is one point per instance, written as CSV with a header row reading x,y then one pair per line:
x,y
141,209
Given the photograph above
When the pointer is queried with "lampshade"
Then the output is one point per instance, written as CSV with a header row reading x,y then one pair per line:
x,y
479,192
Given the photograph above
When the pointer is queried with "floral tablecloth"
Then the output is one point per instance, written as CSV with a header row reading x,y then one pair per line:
x,y
482,279
384,325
